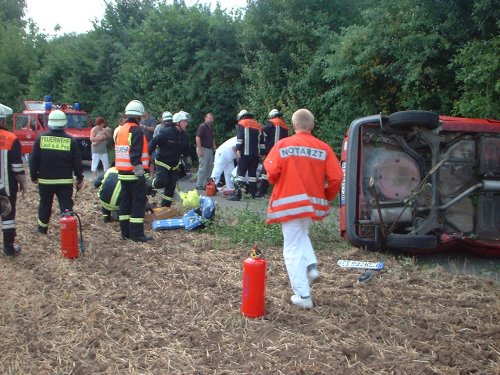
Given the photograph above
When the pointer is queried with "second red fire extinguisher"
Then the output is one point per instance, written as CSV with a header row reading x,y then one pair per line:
x,y
253,299
70,246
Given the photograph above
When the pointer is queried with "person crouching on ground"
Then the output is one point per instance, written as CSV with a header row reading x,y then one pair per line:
x,y
306,175
224,159
109,194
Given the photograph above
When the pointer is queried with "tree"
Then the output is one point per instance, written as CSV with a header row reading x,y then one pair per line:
x,y
478,75
184,58
19,55
284,53
398,58
12,11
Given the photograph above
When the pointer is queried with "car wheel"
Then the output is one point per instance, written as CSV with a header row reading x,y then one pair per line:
x,y
407,241
407,119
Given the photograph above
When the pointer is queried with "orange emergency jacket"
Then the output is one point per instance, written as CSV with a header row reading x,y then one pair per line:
x,y
276,121
122,149
307,176
6,139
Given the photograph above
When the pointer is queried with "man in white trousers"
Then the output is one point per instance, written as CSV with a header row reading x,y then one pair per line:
x,y
306,175
224,162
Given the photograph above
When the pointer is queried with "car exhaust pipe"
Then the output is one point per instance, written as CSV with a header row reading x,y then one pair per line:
x,y
486,185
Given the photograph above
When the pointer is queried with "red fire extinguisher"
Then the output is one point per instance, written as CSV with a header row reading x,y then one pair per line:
x,y
69,235
253,300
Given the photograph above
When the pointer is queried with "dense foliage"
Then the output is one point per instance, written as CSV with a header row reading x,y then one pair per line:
x,y
340,58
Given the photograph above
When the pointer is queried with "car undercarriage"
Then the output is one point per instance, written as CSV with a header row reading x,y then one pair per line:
x,y
421,182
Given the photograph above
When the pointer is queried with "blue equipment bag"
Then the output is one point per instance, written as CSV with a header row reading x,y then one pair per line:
x,y
168,224
207,208
192,220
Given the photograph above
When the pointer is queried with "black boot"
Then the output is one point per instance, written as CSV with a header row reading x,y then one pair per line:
x,y
264,185
12,250
42,230
143,238
236,195
124,229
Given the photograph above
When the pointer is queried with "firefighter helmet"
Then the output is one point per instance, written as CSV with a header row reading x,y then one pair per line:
x,y
57,120
274,113
243,113
180,116
166,116
5,111
134,109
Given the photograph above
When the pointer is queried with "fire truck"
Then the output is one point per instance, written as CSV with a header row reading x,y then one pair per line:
x,y
32,121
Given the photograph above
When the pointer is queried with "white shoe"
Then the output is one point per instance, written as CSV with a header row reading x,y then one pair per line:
x,y
313,276
305,303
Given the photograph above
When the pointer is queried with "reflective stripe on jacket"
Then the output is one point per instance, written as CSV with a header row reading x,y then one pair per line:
x,y
124,148
109,192
11,163
249,139
274,130
307,176
55,158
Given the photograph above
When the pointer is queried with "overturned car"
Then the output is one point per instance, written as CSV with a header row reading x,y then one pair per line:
x,y
417,182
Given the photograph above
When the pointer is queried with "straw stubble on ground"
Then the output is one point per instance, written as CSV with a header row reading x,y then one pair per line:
x,y
173,306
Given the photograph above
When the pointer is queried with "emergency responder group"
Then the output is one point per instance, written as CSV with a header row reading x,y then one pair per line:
x,y
56,158
304,184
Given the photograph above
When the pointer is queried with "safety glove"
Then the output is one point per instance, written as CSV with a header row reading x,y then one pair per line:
x,y
139,173
23,184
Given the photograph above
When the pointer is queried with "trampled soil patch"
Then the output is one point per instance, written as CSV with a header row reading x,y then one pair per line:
x,y
173,307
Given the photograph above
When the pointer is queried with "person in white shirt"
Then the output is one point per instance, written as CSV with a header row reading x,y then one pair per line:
x,y
224,162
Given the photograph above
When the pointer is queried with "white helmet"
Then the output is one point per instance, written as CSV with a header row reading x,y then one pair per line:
x,y
5,111
166,116
57,120
274,113
242,113
134,109
180,116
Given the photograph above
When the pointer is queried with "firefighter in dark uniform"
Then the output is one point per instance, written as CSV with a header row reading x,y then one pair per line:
x,y
249,147
132,163
55,157
110,188
11,176
173,144
275,129
109,194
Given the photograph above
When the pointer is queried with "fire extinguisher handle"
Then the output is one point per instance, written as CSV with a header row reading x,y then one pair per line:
x,y
256,253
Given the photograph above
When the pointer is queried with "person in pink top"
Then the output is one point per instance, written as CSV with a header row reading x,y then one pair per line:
x,y
306,175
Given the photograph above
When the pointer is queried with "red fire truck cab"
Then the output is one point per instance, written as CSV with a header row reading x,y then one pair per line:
x,y
32,121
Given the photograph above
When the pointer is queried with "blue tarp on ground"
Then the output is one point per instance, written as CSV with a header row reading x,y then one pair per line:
x,y
193,219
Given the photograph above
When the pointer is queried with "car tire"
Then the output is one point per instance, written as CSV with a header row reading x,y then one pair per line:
x,y
408,241
408,119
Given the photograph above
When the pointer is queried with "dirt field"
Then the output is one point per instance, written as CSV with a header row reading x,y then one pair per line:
x,y
173,307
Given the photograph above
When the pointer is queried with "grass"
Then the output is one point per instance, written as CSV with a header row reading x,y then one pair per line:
x,y
247,226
